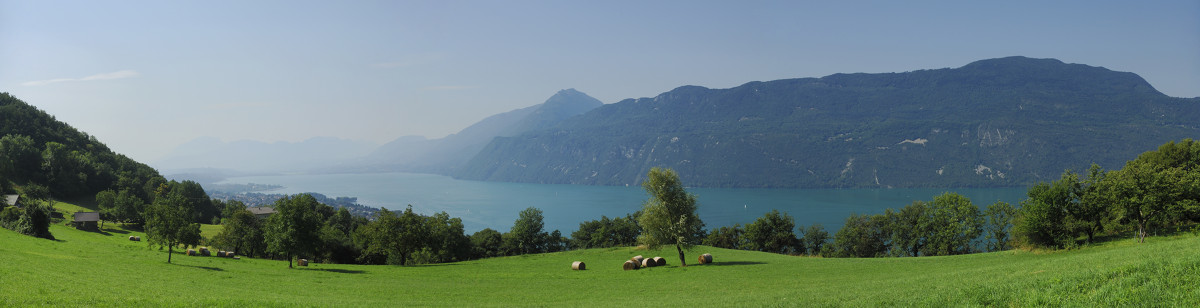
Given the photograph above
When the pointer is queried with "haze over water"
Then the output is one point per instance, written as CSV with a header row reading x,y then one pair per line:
x,y
496,205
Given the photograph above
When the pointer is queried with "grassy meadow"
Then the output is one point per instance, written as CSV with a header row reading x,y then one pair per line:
x,y
105,269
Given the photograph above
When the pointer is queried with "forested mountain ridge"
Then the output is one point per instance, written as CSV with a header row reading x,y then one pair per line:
x,y
998,122
35,148
417,154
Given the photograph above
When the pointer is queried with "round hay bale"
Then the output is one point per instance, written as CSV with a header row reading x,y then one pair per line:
x,y
237,258
578,265
191,252
705,259
638,259
629,265
204,251
220,253
659,261
130,237
649,263
303,262
230,254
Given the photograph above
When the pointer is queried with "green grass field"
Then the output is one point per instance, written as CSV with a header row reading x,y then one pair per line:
x,y
105,269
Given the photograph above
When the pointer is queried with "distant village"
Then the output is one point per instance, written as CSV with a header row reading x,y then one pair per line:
x,y
253,199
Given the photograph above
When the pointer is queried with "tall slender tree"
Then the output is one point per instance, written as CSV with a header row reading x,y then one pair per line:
x,y
999,225
669,216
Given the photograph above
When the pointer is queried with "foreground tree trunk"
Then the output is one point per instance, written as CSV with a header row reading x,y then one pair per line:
x,y
169,254
682,261
1141,232
289,257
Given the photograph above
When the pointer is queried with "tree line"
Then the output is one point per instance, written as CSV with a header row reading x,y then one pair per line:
x,y
1159,189
302,227
950,224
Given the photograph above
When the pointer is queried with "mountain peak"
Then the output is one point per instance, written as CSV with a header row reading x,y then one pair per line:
x,y
569,95
568,103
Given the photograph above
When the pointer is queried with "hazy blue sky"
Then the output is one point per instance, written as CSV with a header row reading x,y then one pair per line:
x,y
146,76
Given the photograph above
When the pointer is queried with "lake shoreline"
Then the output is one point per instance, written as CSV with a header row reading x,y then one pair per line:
x,y
495,205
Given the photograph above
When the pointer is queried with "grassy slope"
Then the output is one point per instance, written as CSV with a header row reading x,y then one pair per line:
x,y
106,269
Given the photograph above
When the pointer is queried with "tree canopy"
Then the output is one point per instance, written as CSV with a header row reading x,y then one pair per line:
x,y
527,231
169,223
773,232
294,228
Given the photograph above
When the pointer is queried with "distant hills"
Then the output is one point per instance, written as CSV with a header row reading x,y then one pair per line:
x,y
998,122
445,155
209,159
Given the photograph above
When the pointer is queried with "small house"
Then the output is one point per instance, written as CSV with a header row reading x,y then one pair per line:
x,y
88,221
12,200
261,212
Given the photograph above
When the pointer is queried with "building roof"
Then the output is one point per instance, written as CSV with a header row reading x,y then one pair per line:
x,y
11,199
87,216
261,210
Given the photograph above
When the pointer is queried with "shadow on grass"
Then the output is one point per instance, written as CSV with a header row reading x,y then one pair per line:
x,y
117,231
429,265
1130,232
334,270
100,232
202,267
718,263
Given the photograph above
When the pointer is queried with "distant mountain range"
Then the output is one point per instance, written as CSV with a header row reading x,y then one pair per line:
x,y
999,122
445,155
209,159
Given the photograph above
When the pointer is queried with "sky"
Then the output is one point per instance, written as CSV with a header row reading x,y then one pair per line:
x,y
147,76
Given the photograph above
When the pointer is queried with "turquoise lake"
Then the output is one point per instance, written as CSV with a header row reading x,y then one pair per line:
x,y
496,205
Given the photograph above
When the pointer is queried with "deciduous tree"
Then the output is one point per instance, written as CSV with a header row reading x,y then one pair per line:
x,y
815,238
242,233
862,236
107,202
726,237
773,232
954,223
294,229
669,216
1042,218
396,236
999,223
486,243
168,223
527,234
